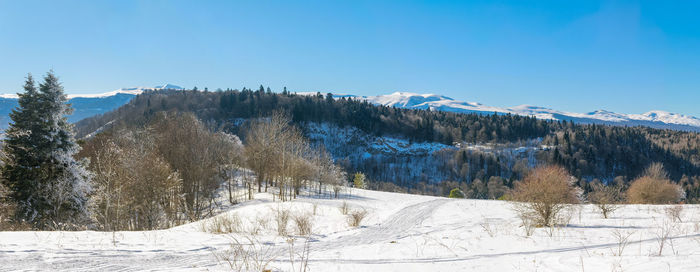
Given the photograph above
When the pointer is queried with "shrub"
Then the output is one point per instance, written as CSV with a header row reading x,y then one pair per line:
x,y
543,193
654,187
282,219
345,208
355,217
605,198
674,213
303,223
456,193
222,224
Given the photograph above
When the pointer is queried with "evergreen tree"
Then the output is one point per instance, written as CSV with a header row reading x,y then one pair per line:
x,y
20,162
46,181
360,181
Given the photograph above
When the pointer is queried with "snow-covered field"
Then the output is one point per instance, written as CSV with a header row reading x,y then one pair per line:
x,y
401,233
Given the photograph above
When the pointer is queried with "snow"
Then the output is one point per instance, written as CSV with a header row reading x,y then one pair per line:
x,y
129,91
9,96
656,118
334,137
402,233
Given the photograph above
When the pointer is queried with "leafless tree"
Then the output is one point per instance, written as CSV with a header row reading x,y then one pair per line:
x,y
543,193
606,198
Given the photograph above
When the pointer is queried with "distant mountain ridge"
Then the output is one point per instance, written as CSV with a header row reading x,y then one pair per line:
x,y
87,105
84,105
655,118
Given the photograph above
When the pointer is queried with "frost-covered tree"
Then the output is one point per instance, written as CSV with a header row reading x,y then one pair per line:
x,y
359,180
20,162
49,185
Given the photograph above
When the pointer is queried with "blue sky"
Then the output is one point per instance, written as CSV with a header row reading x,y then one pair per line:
x,y
624,56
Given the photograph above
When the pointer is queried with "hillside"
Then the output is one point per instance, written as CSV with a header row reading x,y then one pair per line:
x,y
401,233
467,150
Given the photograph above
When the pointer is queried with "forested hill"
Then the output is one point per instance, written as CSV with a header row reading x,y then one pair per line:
x,y
417,125
588,151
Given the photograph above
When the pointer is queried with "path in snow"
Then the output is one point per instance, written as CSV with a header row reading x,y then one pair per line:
x,y
395,227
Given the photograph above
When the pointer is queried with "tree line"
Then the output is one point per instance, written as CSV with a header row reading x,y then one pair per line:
x,y
168,169
592,152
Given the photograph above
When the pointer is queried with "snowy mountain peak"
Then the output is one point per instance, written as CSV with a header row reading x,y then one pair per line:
x,y
129,91
168,86
672,118
656,118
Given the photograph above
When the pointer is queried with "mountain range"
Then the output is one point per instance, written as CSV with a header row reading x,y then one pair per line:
x,y
84,105
655,118
87,105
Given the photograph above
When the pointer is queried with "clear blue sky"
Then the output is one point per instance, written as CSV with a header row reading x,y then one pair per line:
x,y
624,56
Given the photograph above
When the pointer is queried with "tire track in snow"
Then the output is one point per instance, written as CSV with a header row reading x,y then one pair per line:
x,y
394,228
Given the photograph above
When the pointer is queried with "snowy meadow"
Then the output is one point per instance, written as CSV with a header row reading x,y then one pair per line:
x,y
400,232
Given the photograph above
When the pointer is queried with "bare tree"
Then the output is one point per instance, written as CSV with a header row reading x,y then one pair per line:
x,y
193,151
230,156
262,146
543,193
606,198
135,189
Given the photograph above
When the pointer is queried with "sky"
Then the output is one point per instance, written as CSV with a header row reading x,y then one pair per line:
x,y
579,56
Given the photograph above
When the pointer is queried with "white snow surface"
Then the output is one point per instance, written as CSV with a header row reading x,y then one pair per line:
x,y
402,233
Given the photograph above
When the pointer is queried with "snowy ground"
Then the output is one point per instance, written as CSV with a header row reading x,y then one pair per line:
x,y
401,233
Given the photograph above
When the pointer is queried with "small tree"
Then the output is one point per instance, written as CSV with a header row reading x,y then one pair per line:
x,y
605,198
654,187
359,180
543,193
456,193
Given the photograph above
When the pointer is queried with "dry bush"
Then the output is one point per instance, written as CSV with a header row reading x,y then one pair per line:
x,y
654,188
261,223
674,213
528,223
355,217
606,198
282,220
315,208
543,194
300,256
222,224
664,232
622,239
344,208
248,254
303,223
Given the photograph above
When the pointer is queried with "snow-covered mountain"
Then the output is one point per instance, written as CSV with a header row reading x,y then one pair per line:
x,y
87,105
84,105
655,119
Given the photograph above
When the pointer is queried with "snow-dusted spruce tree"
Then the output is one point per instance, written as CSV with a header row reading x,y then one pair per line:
x,y
20,170
359,180
48,184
